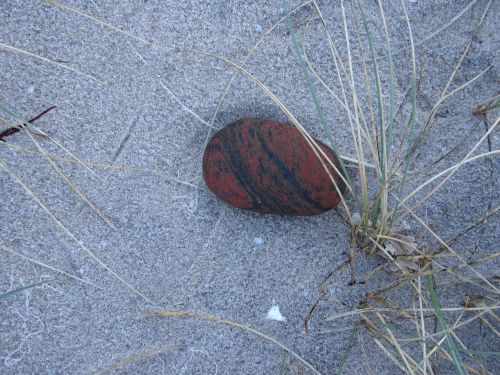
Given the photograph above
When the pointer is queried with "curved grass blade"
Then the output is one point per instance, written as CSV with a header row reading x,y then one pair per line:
x,y
63,7
318,151
382,139
17,290
314,96
413,114
71,235
452,350
214,318
350,344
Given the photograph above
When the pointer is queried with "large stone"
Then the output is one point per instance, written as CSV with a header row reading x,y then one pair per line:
x,y
267,166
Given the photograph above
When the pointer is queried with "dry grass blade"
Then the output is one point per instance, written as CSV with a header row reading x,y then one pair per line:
x,y
445,94
365,355
22,52
188,110
248,56
213,318
392,339
482,219
452,170
70,234
88,16
18,126
446,338
487,106
44,265
443,243
68,152
454,327
423,331
320,154
70,183
390,355
449,172
26,126
439,30
412,311
107,166
140,356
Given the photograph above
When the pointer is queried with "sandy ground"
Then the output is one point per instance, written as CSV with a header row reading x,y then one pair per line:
x,y
174,243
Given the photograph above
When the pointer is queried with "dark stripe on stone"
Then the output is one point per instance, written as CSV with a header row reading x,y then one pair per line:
x,y
237,164
289,176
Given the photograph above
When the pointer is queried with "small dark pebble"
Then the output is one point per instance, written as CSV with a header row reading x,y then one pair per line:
x,y
267,166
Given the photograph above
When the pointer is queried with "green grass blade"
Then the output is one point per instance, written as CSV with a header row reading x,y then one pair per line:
x,y
390,123
413,114
7,294
348,349
312,91
452,349
381,143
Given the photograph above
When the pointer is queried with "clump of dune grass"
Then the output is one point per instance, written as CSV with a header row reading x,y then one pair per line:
x,y
398,328
376,202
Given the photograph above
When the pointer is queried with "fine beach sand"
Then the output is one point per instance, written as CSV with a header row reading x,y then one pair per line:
x,y
143,111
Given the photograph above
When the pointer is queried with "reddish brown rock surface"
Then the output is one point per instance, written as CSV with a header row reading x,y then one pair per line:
x,y
268,167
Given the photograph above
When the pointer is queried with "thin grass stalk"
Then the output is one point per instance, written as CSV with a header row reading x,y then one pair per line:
x,y
318,151
413,114
70,234
96,20
23,288
444,94
44,265
390,355
394,342
442,242
78,192
452,170
452,350
390,124
46,60
347,352
107,166
381,147
249,54
337,65
356,132
231,323
314,96
422,323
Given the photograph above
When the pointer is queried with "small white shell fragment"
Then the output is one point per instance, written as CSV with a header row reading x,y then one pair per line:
x,y
258,240
274,313
356,218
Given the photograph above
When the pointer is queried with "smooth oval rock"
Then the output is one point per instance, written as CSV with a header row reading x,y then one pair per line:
x,y
267,166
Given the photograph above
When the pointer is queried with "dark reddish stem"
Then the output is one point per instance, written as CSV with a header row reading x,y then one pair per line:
x,y
16,129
